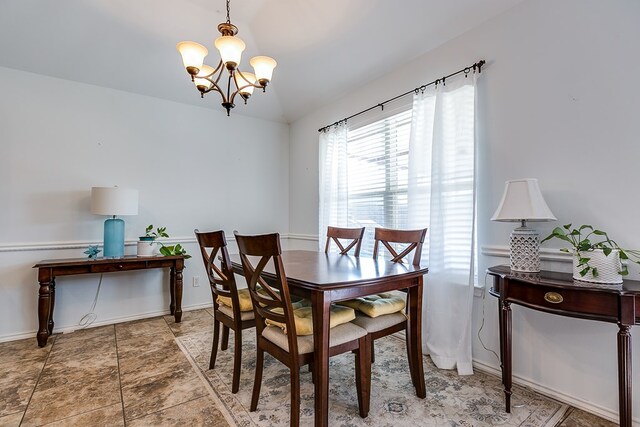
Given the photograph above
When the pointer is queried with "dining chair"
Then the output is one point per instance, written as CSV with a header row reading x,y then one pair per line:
x,y
232,307
279,324
383,314
336,233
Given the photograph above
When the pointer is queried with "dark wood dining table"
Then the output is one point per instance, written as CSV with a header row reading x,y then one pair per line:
x,y
327,278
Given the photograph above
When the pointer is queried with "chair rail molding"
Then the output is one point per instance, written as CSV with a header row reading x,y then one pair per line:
x,y
546,254
82,244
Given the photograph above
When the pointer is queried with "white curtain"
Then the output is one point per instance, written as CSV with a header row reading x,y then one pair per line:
x,y
441,195
333,180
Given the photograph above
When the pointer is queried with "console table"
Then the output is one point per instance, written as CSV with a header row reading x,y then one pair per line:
x,y
48,270
557,293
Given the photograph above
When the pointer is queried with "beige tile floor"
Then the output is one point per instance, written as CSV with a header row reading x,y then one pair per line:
x,y
130,374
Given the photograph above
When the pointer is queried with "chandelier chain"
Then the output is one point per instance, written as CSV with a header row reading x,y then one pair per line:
x,y
228,9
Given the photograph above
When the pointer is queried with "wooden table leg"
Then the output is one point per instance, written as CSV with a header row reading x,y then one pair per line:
x,y
501,329
506,352
321,304
52,303
172,290
624,374
178,294
414,326
44,306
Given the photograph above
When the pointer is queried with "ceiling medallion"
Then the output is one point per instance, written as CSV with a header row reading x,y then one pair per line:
x,y
208,79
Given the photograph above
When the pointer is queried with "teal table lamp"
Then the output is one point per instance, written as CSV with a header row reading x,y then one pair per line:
x,y
114,201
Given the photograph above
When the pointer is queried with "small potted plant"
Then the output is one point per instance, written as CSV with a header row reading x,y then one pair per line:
x,y
594,261
146,244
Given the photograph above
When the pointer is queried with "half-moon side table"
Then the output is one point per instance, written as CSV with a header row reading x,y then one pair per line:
x,y
557,293
48,270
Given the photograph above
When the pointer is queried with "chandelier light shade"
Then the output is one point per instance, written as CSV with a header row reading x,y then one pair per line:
x,y
236,82
192,56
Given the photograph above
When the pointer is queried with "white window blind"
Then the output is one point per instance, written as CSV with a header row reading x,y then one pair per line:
x,y
377,175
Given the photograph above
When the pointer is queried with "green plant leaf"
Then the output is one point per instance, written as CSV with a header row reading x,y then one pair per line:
x,y
594,271
599,233
565,250
567,226
623,254
582,227
149,228
584,271
606,251
165,251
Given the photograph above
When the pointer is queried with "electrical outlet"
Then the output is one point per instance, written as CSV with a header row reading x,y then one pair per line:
x,y
196,281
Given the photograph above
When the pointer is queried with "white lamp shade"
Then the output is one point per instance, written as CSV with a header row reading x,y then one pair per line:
x,y
522,200
192,54
248,90
230,48
114,201
205,70
263,66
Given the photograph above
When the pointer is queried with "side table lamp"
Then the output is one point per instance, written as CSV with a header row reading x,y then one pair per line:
x,y
522,201
114,201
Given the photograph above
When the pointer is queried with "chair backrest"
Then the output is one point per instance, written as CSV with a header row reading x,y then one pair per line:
x,y
337,233
223,283
271,300
414,239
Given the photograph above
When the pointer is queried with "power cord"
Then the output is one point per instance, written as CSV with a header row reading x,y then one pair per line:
x,y
484,296
90,317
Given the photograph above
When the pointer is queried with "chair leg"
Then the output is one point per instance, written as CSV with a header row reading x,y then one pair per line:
x,y
225,338
373,351
294,420
257,383
409,358
363,375
237,360
313,372
214,347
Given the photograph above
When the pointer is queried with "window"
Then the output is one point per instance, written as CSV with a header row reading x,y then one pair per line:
x,y
377,175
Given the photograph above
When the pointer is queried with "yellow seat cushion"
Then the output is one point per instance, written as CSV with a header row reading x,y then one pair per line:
x,y
303,317
243,297
377,305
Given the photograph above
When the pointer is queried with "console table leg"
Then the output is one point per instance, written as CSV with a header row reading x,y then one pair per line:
x,y
501,329
44,312
52,303
172,290
178,295
624,374
506,353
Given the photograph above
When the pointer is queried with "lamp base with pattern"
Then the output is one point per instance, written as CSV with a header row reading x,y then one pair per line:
x,y
525,250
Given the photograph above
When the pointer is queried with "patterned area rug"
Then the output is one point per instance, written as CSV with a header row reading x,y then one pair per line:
x,y
452,400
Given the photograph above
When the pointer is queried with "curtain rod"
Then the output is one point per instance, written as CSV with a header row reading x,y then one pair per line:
x,y
478,65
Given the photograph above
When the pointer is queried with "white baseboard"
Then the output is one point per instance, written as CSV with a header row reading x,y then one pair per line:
x,y
587,406
71,328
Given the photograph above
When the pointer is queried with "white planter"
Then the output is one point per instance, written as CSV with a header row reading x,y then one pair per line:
x,y
147,248
608,267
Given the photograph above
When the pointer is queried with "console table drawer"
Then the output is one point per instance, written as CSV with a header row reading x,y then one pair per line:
x,y
124,266
580,302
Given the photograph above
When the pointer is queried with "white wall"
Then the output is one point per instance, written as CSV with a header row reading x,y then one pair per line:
x,y
558,100
194,168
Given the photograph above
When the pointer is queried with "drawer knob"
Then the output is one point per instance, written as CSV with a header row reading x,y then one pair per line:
x,y
553,297
120,266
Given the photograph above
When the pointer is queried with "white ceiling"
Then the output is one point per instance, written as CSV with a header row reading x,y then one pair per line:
x,y
323,47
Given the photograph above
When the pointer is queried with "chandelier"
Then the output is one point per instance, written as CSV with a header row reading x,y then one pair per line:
x,y
208,79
